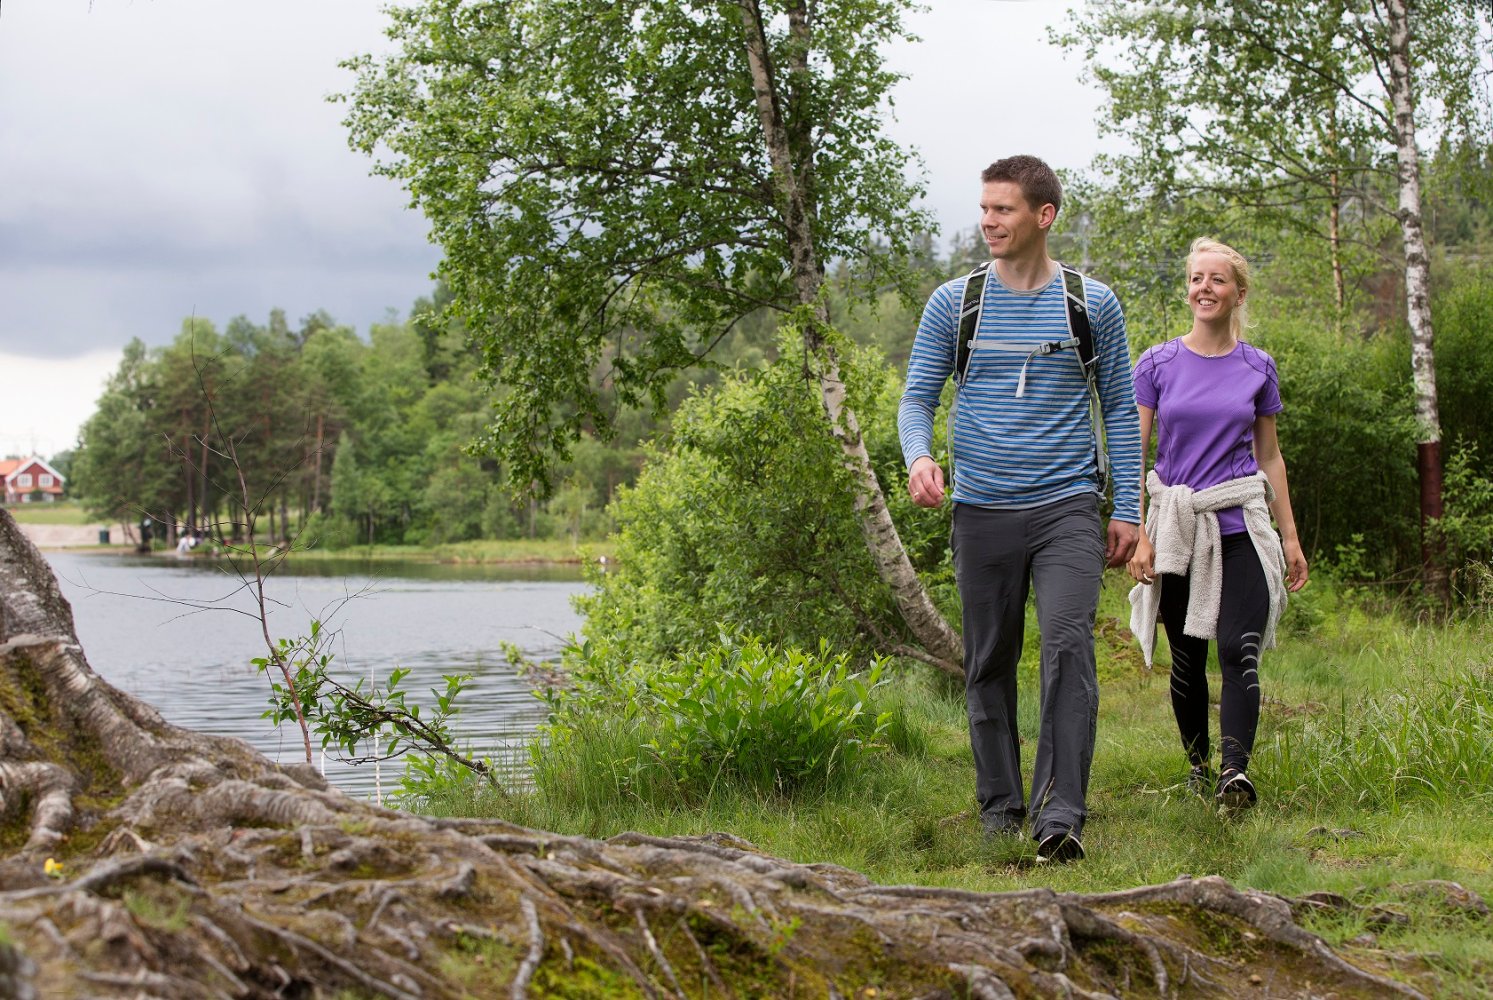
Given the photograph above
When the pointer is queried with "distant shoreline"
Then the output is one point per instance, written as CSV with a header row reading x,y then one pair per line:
x,y
523,552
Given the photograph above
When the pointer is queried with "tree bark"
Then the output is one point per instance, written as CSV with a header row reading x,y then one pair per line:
x,y
1417,301
1334,218
792,177
192,867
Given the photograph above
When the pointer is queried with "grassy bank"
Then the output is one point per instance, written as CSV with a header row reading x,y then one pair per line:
x,y
1372,762
521,550
63,512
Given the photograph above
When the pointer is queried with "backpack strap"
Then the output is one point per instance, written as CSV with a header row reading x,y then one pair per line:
x,y
1079,330
970,309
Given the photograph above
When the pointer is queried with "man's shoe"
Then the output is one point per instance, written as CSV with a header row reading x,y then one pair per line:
x,y
1060,848
1200,781
1235,791
997,825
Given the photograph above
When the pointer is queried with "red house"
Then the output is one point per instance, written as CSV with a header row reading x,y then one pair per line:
x,y
27,479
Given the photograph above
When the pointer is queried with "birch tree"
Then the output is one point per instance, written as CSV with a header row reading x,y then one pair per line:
x,y
1287,107
616,185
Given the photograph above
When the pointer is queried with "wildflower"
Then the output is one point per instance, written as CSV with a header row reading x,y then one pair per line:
x,y
52,868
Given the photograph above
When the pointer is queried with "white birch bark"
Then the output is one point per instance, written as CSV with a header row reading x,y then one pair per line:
x,y
941,646
1417,291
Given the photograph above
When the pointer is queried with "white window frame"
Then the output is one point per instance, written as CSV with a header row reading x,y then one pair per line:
x,y
23,481
44,479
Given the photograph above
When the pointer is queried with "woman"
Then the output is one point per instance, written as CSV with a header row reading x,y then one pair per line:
x,y
1208,561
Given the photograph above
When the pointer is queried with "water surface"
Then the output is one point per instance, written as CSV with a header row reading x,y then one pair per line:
x,y
180,634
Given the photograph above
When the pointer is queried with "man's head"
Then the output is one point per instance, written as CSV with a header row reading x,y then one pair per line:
x,y
1018,203
1039,185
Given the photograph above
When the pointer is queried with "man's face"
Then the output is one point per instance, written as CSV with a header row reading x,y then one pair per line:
x,y
1010,226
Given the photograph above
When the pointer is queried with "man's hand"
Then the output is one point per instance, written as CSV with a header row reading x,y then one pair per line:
x,y
1121,544
925,482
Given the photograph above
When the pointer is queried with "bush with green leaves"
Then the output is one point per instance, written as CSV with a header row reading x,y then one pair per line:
x,y
740,713
364,724
1465,530
1348,430
745,515
1348,437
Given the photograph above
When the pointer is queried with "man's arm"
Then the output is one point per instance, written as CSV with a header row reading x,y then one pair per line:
x,y
928,368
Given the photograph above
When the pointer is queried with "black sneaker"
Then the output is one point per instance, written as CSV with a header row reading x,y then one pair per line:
x,y
1060,848
1002,824
1235,791
1200,780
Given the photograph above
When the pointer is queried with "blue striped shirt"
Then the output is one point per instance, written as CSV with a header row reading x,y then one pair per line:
x,y
1015,452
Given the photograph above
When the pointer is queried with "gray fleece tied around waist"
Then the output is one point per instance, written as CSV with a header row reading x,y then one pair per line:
x,y
1182,524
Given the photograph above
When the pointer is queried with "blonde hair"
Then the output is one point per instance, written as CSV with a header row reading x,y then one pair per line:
x,y
1239,318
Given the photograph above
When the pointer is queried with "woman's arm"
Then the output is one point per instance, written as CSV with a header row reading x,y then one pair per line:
x,y
1142,564
1267,454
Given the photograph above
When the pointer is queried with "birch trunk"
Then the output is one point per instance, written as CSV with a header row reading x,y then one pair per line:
x,y
941,646
1417,299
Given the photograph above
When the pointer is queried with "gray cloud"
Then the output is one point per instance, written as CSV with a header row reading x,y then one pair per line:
x,y
168,157
165,157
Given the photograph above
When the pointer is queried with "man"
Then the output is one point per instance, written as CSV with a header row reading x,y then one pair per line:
x,y
1026,499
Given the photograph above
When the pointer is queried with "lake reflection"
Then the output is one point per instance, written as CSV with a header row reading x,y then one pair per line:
x,y
180,635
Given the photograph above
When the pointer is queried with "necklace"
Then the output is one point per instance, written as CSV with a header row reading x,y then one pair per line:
x,y
1228,349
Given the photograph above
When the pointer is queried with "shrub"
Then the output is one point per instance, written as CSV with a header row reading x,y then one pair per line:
x,y
746,515
740,712
1465,530
1348,437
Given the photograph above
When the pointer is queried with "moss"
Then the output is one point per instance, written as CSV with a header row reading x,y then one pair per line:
x,y
52,732
158,905
480,966
582,979
56,739
1113,964
15,828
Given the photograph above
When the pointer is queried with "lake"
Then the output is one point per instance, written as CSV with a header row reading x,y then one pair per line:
x,y
179,633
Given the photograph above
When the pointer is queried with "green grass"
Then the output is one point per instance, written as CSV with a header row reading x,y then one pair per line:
x,y
62,512
521,550
1372,761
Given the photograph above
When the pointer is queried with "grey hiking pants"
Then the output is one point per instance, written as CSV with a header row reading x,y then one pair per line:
x,y
1058,551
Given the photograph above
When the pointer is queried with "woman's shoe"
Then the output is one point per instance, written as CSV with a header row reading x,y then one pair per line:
x,y
1235,791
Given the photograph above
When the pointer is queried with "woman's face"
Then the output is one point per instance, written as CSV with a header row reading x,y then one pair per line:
x,y
1212,292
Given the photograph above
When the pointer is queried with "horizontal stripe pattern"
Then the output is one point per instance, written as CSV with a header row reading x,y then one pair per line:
x,y
1014,452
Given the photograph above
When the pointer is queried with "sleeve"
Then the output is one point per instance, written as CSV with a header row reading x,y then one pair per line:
x,y
1147,392
928,368
1267,401
1117,399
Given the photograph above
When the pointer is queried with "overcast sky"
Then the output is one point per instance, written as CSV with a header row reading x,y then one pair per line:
x,y
164,158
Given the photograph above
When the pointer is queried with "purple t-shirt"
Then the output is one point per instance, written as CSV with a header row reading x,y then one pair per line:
x,y
1205,414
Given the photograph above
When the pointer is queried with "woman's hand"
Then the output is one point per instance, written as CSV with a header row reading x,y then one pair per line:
x,y
1142,565
1295,565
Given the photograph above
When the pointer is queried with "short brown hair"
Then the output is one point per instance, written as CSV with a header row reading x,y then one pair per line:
x,y
1039,185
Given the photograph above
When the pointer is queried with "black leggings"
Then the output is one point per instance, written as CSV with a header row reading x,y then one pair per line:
x,y
1243,610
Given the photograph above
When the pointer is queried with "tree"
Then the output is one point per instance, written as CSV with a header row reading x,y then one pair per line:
x,y
1264,100
617,186
139,858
